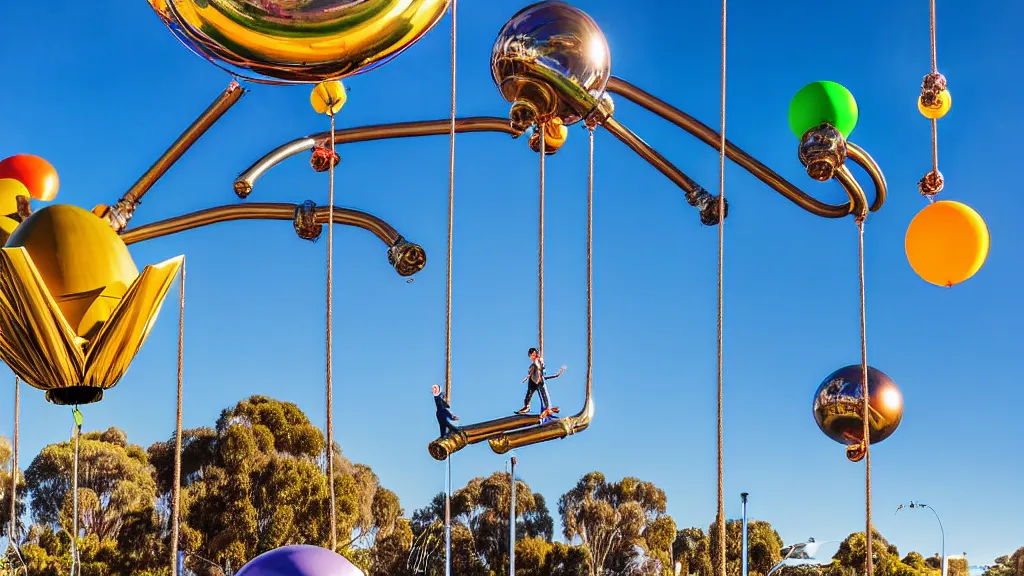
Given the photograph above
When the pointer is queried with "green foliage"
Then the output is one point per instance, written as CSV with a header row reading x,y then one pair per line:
x,y
612,520
763,552
6,475
1010,565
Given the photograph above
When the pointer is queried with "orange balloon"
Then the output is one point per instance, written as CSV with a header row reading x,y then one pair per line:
x,y
947,243
38,175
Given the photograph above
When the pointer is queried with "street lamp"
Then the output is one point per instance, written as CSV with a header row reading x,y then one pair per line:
x,y
941,530
801,551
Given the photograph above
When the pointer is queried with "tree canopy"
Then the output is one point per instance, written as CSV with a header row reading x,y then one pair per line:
x,y
255,480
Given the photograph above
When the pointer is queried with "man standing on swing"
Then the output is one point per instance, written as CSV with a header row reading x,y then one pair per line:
x,y
535,380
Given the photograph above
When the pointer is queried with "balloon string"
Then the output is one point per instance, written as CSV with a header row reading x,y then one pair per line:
x,y
720,560
867,398
330,336
176,495
935,122
75,561
540,245
14,464
448,293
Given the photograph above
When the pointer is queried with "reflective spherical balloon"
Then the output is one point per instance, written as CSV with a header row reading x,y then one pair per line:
x,y
545,51
299,41
839,406
300,561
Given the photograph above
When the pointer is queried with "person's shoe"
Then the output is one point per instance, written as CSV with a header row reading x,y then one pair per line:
x,y
523,410
555,409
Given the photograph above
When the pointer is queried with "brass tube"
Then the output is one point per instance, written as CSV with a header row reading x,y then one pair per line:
x,y
556,429
247,179
228,98
473,433
865,161
854,190
738,155
644,150
407,258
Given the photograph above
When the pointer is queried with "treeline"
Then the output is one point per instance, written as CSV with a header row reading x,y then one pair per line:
x,y
255,481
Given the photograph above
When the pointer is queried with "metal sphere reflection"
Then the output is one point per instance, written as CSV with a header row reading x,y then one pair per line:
x,y
299,41
550,60
838,407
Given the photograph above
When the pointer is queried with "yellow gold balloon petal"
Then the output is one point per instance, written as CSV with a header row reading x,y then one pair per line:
x,y
39,344
121,337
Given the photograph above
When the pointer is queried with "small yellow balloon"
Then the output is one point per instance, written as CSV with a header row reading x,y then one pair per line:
x,y
328,97
944,100
947,243
10,189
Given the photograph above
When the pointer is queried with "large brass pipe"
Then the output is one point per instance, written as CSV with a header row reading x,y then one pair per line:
x,y
556,429
748,162
406,257
121,212
474,433
247,179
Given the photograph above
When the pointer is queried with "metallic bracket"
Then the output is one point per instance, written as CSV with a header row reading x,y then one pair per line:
x,y
407,258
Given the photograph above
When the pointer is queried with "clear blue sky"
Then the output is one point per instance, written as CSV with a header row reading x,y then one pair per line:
x,y
101,88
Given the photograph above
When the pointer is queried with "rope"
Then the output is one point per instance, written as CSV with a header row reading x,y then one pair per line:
x,y
176,494
540,247
721,266
590,267
451,224
448,298
77,431
867,398
330,342
14,464
935,70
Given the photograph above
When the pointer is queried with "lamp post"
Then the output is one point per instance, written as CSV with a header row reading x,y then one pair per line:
x,y
743,497
942,531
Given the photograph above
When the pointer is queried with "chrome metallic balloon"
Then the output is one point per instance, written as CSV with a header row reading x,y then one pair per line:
x,y
839,407
550,60
299,41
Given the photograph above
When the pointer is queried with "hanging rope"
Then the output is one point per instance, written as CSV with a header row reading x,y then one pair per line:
x,y
176,492
590,266
330,338
448,298
864,390
540,246
14,464
935,70
720,560
75,561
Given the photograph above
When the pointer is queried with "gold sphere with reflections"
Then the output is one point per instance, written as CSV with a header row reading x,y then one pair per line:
x,y
299,41
839,407
551,60
85,266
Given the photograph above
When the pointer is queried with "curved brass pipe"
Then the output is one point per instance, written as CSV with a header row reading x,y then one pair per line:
x,y
247,179
407,258
556,429
749,163
474,433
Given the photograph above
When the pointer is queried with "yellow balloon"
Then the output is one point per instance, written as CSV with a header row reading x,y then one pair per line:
x,y
10,189
945,101
947,243
328,97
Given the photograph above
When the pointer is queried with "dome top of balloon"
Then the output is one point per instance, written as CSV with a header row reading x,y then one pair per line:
x,y
823,101
76,253
299,42
300,561
552,46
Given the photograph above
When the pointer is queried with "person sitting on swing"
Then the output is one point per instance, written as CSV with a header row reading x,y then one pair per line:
x,y
444,413
535,380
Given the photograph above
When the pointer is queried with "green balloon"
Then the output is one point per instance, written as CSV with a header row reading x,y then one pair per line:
x,y
823,101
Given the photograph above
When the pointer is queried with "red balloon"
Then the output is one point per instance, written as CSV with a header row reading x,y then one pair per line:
x,y
38,175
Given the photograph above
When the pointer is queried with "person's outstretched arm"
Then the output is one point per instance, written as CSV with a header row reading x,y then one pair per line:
x,y
556,375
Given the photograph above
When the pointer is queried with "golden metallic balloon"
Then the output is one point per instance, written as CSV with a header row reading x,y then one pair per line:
x,y
74,311
299,41
545,51
839,407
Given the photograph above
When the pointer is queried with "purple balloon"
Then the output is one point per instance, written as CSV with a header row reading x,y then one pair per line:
x,y
300,560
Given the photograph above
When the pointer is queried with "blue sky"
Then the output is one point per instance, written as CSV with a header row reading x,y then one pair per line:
x,y
101,88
